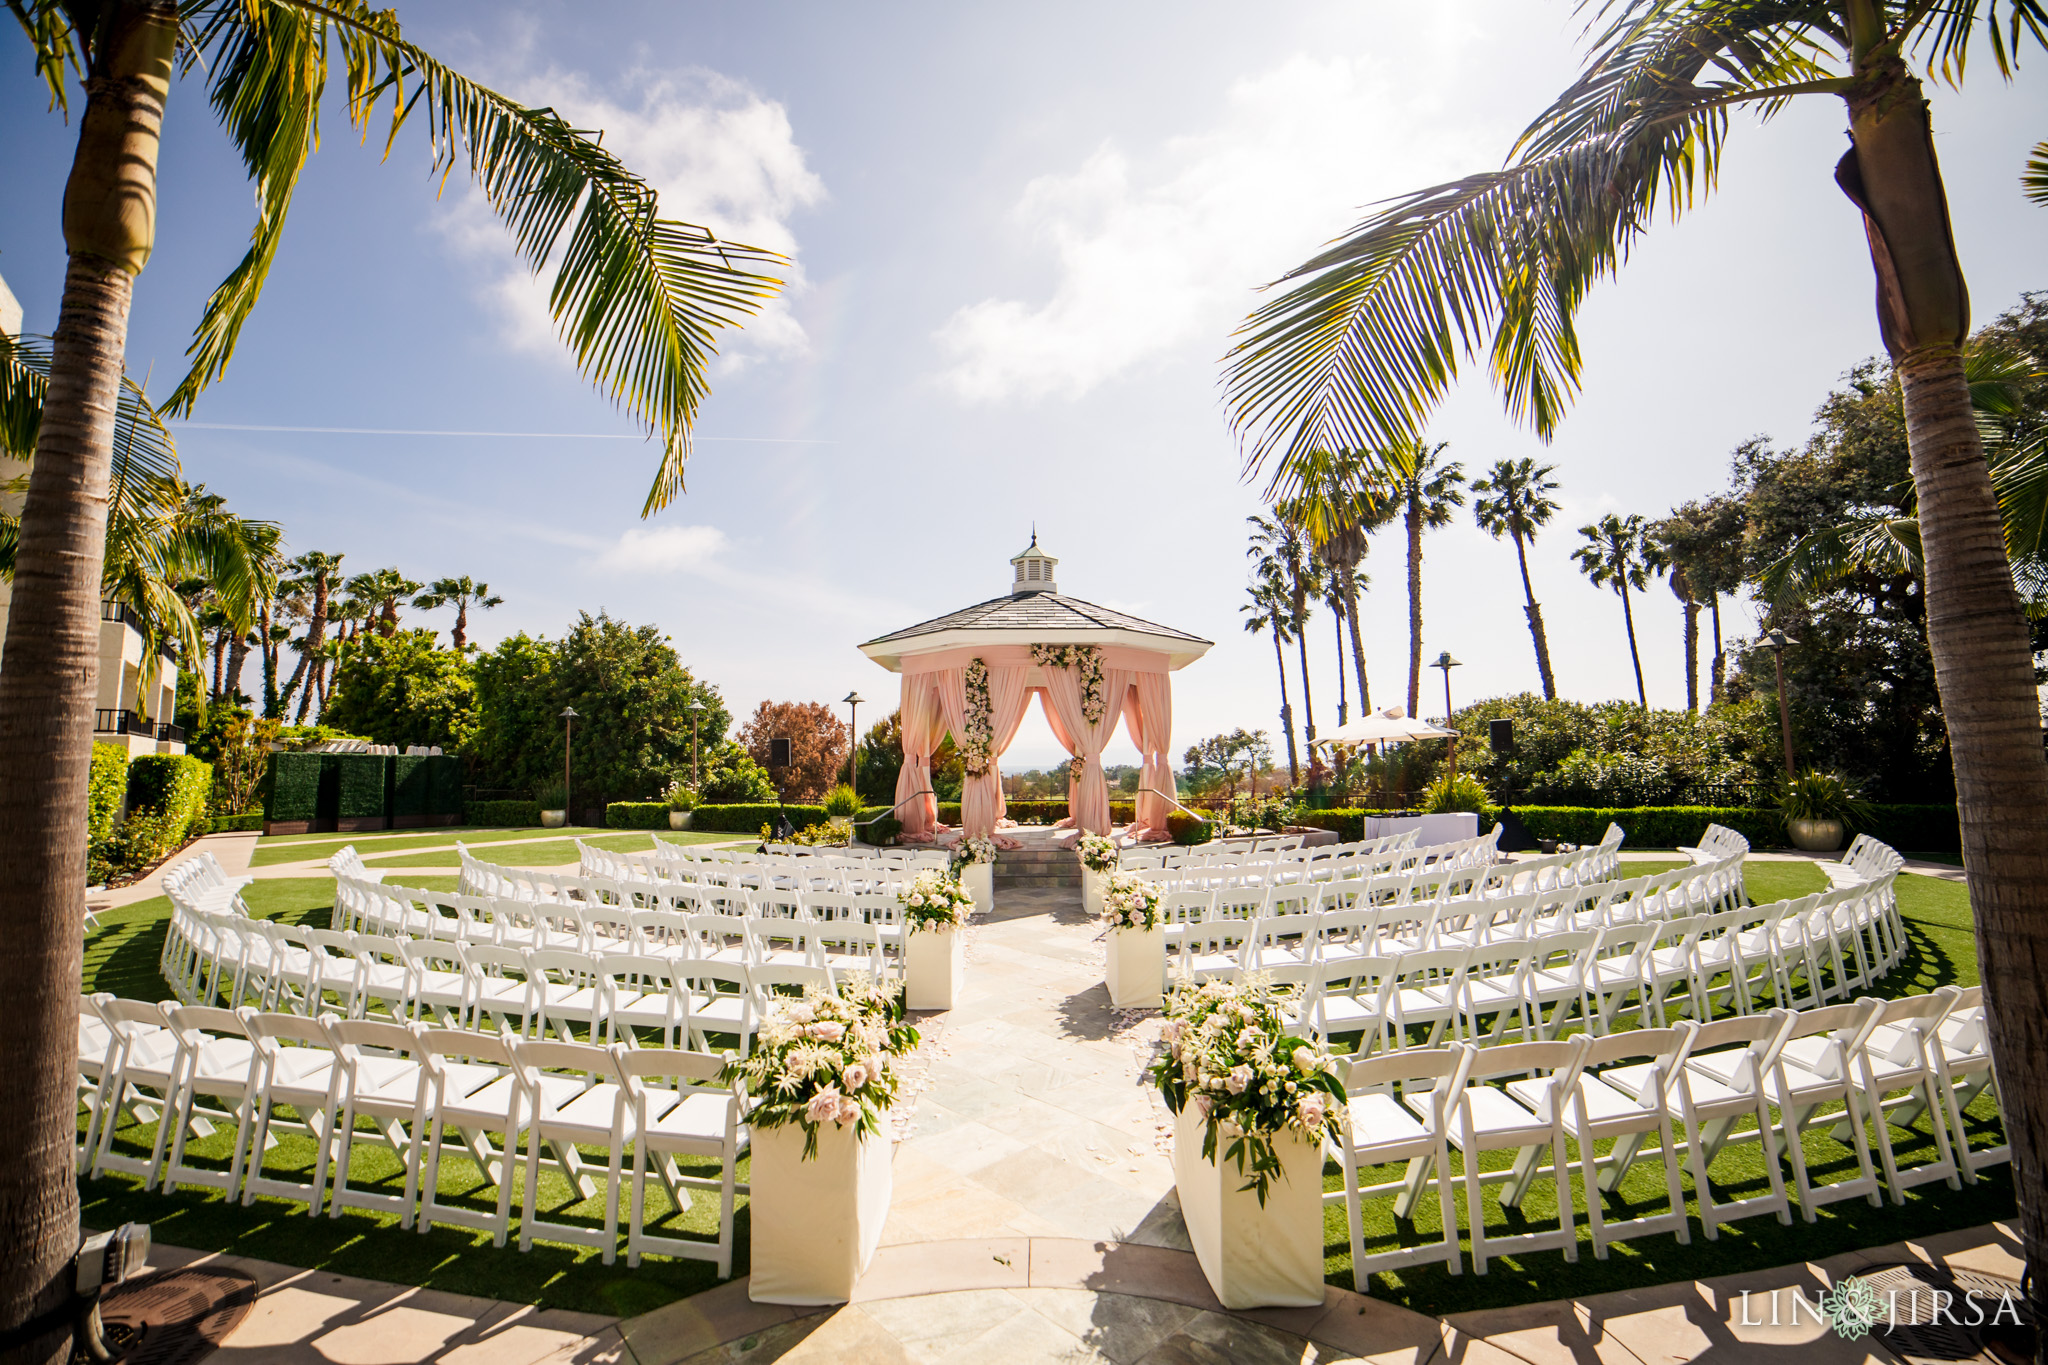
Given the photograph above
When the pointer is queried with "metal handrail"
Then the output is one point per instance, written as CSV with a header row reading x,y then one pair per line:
x,y
863,824
1175,802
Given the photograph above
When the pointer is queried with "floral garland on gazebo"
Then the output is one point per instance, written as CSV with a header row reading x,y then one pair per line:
x,y
1085,659
977,746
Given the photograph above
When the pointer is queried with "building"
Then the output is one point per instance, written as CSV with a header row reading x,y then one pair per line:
x,y
135,703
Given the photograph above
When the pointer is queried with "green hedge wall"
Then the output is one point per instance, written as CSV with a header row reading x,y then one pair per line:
x,y
1186,829
410,780
364,778
103,793
444,785
166,806
1349,823
292,790
1909,829
636,815
232,824
509,814
749,819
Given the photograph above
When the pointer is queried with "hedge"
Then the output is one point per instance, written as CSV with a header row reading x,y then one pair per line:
x,y
233,824
880,832
1186,829
292,787
444,788
363,780
104,792
1909,829
509,814
748,819
636,815
1349,823
166,806
409,785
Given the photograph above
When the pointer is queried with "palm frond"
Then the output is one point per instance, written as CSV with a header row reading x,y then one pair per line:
x,y
1884,545
47,24
2034,181
1941,32
2019,476
637,297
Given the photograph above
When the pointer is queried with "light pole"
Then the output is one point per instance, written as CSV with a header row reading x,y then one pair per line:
x,y
1778,639
853,701
696,710
568,738
1447,663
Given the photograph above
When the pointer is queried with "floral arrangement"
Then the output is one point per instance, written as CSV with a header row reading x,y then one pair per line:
x,y
827,1058
968,852
1098,854
1085,659
977,746
1130,902
1230,1054
821,833
935,900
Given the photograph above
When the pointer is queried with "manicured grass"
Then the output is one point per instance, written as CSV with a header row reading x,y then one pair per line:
x,y
294,848
557,852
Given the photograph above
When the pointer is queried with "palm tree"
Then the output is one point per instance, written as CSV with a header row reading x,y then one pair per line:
x,y
638,298
1345,496
1364,344
316,570
1271,610
1427,494
382,590
1341,588
461,592
1513,500
1615,556
1681,588
1704,541
1283,552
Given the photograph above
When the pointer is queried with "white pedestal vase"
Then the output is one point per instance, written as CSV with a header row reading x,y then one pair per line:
x,y
1252,1256
980,881
932,961
1134,968
1092,883
815,1223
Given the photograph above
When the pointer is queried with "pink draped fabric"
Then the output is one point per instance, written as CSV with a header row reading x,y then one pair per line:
x,y
923,724
1088,796
981,802
1148,716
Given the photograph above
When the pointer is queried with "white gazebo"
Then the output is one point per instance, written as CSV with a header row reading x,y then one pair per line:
x,y
972,674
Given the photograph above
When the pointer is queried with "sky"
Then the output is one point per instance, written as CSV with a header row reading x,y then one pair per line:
x,y
1021,239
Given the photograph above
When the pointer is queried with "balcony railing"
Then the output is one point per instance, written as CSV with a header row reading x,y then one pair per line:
x,y
173,733
120,611
107,722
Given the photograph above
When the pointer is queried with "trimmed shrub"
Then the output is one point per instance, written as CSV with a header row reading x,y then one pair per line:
x,y
103,794
509,814
1349,823
636,815
949,812
444,787
882,831
166,806
292,787
748,819
1046,811
1650,826
1186,829
364,778
235,824
410,782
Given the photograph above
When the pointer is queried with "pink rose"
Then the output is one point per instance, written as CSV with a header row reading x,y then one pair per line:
x,y
1313,1109
1202,1107
824,1105
1240,1077
856,1076
827,1032
848,1112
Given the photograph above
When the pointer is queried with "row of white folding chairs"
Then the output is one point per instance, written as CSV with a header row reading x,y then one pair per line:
x,y
1866,860
201,880
647,875
1861,1069
1133,858
424,1093
1717,842
1229,871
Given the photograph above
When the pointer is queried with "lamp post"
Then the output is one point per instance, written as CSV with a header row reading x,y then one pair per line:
x,y
1447,663
568,738
853,701
1778,639
696,710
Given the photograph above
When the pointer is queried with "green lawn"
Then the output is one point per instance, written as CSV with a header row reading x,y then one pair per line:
x,y
557,852
293,848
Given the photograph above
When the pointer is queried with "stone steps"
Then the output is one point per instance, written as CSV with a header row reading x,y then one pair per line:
x,y
1038,867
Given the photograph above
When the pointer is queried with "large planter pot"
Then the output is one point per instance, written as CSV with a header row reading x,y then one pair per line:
x,y
980,881
932,961
1253,1256
1815,836
1092,883
553,819
1134,967
679,819
815,1223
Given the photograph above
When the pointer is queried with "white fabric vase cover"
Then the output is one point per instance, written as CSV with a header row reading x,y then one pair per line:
x,y
1253,1256
1134,967
815,1223
980,881
931,968
1092,883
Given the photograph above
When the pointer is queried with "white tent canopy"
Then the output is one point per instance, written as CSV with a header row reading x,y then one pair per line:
x,y
1391,726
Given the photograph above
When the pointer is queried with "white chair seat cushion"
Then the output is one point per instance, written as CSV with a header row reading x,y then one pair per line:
x,y
696,1125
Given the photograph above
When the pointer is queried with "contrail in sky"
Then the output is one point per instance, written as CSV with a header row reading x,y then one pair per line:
x,y
556,435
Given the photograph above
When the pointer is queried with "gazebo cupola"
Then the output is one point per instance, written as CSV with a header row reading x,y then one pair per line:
x,y
1034,569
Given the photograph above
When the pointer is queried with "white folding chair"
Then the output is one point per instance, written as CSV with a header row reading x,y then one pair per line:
x,y
297,1065
1962,1058
679,1108
96,1043
217,1062
573,1096
1897,1053
140,1077
1814,1067
384,1080
1380,1130
1487,1118
473,1087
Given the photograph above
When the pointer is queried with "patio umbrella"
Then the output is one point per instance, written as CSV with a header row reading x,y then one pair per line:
x,y
1391,726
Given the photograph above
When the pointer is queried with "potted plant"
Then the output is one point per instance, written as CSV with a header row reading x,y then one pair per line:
x,y
842,803
824,1073
1098,861
554,805
681,801
1817,808
935,906
974,863
1134,967
1252,1104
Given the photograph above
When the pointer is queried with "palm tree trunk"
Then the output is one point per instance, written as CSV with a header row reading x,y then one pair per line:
x,y
461,624
1308,705
269,648
49,679
1692,657
238,655
1720,656
1357,645
1337,628
220,649
1286,712
1535,615
1628,618
1414,606
316,633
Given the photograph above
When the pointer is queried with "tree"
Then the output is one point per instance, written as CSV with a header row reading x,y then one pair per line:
x,y
1615,556
1344,497
1364,345
402,690
1427,494
1282,554
1681,588
317,571
1269,611
459,593
817,744
881,759
1703,540
382,590
1513,500
732,777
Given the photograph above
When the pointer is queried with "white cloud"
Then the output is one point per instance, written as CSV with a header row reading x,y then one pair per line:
x,y
717,152
663,549
1158,250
